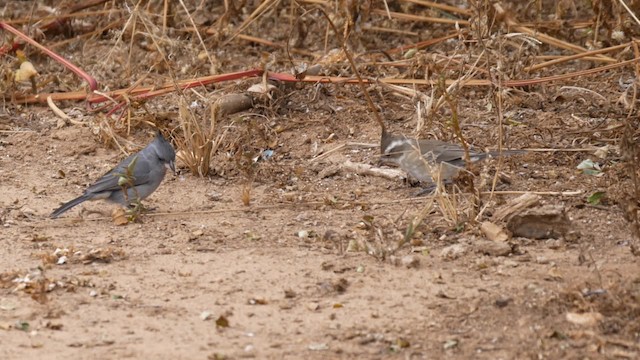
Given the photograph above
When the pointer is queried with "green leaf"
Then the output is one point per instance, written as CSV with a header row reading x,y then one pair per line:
x,y
595,198
589,167
132,166
22,325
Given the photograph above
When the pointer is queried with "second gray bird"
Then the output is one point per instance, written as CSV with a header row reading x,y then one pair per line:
x,y
148,171
420,158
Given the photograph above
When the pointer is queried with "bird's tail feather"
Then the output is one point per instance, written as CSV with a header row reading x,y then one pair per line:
x,y
68,205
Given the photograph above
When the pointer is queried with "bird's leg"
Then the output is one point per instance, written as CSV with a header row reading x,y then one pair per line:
x,y
135,209
138,206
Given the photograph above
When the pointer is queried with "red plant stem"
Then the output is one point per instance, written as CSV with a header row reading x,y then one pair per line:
x,y
93,84
143,93
183,85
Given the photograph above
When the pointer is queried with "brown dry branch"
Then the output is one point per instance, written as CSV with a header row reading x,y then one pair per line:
x,y
588,54
153,91
443,7
423,44
265,42
631,155
56,19
146,92
417,18
262,9
508,19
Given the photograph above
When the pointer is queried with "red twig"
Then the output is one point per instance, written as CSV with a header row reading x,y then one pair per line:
x,y
93,84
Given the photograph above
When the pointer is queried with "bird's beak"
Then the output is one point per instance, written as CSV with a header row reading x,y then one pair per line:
x,y
171,165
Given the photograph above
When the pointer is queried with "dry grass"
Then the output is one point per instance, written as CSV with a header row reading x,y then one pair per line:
x,y
493,44
200,141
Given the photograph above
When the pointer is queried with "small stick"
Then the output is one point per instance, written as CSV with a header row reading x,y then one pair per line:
x,y
342,146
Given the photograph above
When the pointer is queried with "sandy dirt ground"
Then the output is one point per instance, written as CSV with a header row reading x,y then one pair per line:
x,y
311,267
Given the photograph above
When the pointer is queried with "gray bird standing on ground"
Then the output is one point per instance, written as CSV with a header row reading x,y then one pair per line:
x,y
419,158
150,166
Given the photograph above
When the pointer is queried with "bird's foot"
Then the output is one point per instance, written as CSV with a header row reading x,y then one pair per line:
x,y
141,208
430,188
135,209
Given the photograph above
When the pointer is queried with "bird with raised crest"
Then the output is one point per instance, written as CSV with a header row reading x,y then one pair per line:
x,y
139,175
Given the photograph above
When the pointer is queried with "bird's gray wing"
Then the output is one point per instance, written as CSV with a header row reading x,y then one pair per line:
x,y
109,182
450,153
441,151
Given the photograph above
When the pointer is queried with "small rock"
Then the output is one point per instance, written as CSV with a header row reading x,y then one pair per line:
x,y
542,260
205,315
502,301
517,205
493,232
214,196
27,212
289,294
331,235
549,221
584,319
329,171
318,347
492,248
195,235
287,305
511,263
410,261
453,252
450,344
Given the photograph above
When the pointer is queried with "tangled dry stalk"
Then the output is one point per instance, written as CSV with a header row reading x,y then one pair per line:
x,y
475,43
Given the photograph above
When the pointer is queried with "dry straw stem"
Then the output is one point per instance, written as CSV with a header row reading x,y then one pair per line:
x,y
629,151
343,146
93,84
409,17
624,5
193,24
588,54
423,44
448,204
258,40
541,36
106,128
416,221
200,142
444,7
255,15
152,91
390,31
81,38
42,19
